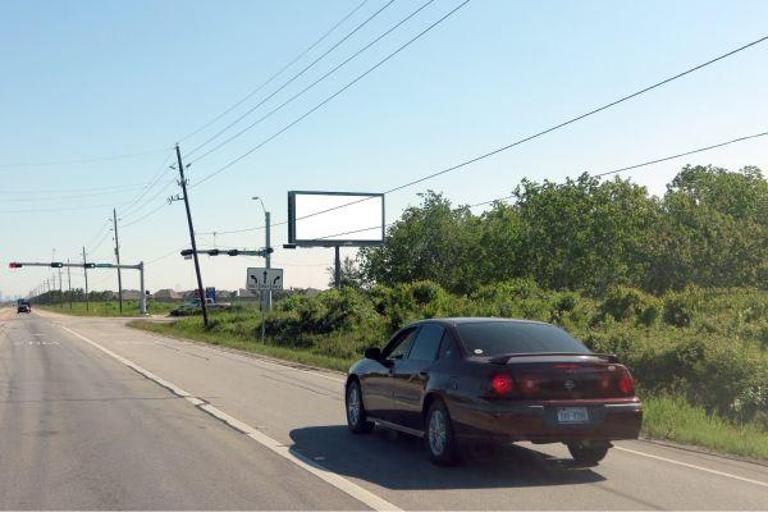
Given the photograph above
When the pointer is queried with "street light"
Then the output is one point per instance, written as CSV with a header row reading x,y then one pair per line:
x,y
266,297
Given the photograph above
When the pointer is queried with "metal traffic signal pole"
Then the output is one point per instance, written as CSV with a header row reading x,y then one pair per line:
x,y
200,289
85,273
69,284
85,265
117,256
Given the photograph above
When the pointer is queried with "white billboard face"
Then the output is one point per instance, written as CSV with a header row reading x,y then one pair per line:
x,y
333,218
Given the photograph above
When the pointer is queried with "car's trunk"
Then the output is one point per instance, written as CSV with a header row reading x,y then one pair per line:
x,y
566,377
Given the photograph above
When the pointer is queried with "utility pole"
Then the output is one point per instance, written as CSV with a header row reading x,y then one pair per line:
x,y
69,285
85,273
117,255
200,289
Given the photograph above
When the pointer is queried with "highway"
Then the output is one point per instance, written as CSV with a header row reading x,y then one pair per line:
x,y
95,415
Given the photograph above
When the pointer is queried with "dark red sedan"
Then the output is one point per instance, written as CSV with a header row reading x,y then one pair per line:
x,y
455,381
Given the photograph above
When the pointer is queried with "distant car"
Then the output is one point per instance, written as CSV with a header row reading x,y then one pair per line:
x,y
23,307
457,381
193,307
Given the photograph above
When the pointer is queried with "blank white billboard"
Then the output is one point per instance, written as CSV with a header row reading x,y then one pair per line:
x,y
335,218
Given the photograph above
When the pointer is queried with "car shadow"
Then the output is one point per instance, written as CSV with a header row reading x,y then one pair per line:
x,y
401,462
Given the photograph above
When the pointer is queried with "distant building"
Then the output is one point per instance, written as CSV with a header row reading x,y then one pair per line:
x,y
166,294
131,294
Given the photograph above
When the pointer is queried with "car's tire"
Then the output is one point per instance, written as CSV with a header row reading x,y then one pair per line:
x,y
588,453
357,419
439,435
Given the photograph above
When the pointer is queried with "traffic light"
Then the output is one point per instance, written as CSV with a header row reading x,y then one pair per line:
x,y
57,264
13,264
89,265
213,252
187,252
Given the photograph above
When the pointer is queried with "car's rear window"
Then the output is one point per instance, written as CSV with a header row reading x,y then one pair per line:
x,y
497,338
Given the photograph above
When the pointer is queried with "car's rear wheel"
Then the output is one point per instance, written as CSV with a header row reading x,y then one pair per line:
x,y
588,453
439,435
357,419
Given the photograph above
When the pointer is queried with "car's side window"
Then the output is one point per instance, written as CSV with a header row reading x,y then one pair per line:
x,y
447,347
401,346
426,343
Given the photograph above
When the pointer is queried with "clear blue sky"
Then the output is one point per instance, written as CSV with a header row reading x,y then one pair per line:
x,y
86,79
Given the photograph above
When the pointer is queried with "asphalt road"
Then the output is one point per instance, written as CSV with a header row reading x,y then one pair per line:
x,y
95,415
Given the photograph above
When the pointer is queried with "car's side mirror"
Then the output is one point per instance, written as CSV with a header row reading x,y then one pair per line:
x,y
373,353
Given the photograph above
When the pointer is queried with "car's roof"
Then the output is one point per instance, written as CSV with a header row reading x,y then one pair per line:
x,y
477,319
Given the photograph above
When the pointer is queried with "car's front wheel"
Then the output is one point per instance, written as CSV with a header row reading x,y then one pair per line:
x,y
588,453
357,419
440,438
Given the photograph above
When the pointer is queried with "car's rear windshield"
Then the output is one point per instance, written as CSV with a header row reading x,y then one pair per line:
x,y
497,338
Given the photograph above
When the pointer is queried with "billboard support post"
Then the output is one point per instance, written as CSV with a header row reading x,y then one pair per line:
x,y
337,268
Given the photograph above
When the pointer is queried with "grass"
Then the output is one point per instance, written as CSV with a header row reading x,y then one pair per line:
x,y
189,331
108,308
673,418
665,417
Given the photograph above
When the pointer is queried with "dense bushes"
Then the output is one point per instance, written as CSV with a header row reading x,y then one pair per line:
x,y
708,346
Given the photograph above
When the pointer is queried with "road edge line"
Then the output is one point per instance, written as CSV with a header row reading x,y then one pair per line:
x,y
693,466
337,481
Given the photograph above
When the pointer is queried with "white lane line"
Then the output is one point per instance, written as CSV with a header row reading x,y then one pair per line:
x,y
339,482
693,466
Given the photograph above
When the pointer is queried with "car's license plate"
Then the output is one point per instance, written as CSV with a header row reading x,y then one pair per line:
x,y
572,415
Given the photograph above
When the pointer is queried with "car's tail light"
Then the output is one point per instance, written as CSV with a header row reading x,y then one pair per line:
x,y
626,384
529,385
502,384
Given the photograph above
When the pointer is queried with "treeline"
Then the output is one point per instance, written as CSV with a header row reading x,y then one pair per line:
x,y
75,295
709,229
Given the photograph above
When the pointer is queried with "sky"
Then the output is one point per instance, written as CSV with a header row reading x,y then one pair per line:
x,y
94,95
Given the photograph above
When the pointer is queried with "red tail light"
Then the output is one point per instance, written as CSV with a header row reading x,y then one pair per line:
x,y
529,385
626,384
502,384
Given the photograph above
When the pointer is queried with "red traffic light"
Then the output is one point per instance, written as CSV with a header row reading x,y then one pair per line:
x,y
13,264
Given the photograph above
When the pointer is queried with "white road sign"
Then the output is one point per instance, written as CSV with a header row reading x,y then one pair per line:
x,y
260,278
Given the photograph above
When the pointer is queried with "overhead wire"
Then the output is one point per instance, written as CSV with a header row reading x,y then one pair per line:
x,y
278,73
290,80
600,174
331,97
82,160
313,84
541,133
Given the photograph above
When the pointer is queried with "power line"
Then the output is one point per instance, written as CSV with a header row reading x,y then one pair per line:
x,y
83,160
601,174
541,133
115,188
146,215
290,80
149,185
331,97
692,152
278,73
313,84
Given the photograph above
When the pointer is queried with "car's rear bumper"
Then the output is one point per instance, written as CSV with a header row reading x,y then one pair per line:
x,y
608,420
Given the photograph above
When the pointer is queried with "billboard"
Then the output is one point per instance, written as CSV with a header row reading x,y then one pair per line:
x,y
327,219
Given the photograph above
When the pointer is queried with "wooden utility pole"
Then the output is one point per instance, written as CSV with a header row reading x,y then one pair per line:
x,y
200,289
117,256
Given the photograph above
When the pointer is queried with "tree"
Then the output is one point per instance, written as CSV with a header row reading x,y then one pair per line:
x,y
350,274
432,241
584,233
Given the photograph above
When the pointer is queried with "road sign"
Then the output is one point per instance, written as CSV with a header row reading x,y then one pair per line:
x,y
260,278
